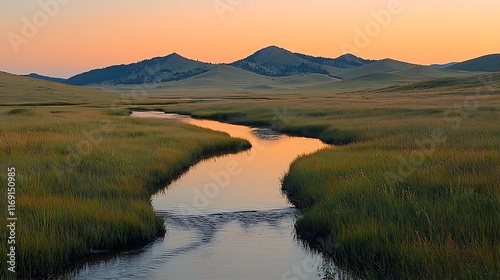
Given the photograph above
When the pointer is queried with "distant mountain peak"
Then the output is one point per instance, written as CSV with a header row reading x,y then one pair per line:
x,y
175,55
348,56
273,48
276,61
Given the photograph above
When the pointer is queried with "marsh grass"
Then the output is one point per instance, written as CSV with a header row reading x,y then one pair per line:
x,y
85,178
438,221
392,208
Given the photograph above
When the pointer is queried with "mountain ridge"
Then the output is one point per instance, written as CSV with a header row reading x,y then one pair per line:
x,y
271,61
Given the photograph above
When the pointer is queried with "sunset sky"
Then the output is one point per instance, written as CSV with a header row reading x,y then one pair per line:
x,y
67,37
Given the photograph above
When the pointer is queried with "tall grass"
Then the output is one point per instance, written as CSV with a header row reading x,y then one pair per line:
x,y
85,178
386,217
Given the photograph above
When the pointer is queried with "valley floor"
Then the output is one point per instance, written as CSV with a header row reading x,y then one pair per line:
x,y
412,190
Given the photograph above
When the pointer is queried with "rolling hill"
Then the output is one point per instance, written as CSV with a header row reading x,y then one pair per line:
x,y
277,62
442,66
272,68
478,81
345,61
224,75
160,69
46,78
19,90
385,65
487,63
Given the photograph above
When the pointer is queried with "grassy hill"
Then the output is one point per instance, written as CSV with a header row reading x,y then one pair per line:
x,y
452,83
161,69
18,90
275,61
487,63
224,75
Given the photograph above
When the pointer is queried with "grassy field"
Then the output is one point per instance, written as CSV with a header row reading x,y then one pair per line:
x,y
85,176
411,192
415,193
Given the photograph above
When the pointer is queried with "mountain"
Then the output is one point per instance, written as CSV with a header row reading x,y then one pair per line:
x,y
46,78
160,69
277,62
487,63
345,61
272,67
442,66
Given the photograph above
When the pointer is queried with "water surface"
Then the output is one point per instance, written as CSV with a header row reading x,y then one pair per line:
x,y
226,218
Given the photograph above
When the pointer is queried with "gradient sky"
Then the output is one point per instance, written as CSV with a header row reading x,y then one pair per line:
x,y
82,35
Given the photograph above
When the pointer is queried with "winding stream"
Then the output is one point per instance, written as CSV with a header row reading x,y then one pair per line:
x,y
226,218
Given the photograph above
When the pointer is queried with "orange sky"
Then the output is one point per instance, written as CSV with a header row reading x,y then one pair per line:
x,y
72,36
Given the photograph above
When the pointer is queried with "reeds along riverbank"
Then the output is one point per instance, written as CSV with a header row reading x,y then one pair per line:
x,y
85,177
415,193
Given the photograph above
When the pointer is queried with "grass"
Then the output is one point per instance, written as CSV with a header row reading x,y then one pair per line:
x,y
413,192
85,177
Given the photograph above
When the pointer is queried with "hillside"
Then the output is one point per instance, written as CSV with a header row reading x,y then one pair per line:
x,y
19,90
46,78
442,66
277,62
272,67
486,81
161,69
345,61
224,75
487,63
385,65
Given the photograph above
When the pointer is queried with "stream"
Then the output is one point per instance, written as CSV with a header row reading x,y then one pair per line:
x,y
226,218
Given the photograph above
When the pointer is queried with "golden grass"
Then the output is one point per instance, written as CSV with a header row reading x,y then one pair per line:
x,y
415,194
85,177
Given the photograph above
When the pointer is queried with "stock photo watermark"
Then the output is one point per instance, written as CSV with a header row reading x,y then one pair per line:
x,y
222,7
31,26
11,219
363,36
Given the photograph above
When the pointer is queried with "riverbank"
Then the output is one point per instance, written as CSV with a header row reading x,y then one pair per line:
x,y
414,193
220,208
85,177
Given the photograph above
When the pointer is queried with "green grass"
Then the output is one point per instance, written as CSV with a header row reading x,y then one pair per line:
x,y
85,177
413,192
391,207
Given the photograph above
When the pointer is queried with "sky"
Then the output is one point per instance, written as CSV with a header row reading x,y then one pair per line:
x,y
62,38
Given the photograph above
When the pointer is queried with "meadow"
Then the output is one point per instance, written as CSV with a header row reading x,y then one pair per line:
x,y
85,175
412,190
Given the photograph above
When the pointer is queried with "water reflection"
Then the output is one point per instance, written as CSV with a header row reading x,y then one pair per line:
x,y
226,218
